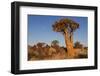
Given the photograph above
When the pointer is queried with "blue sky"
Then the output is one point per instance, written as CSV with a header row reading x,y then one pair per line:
x,y
40,29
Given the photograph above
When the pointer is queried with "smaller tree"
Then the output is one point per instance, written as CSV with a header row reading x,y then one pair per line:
x,y
55,43
78,45
40,44
86,48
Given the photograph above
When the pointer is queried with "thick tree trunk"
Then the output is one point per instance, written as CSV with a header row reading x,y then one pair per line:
x,y
71,38
69,45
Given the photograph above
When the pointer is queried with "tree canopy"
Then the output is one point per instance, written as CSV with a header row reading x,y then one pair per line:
x,y
65,24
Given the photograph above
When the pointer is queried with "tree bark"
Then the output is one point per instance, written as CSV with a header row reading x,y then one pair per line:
x,y
69,45
71,38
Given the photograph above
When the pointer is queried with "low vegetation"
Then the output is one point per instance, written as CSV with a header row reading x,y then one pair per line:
x,y
43,51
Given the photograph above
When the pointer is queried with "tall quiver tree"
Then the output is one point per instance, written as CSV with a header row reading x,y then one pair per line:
x,y
67,27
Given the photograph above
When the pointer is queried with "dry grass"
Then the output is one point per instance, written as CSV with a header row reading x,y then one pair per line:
x,y
46,52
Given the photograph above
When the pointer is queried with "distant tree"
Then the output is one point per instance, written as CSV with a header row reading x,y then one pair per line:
x,y
66,27
86,48
40,44
55,43
47,46
78,45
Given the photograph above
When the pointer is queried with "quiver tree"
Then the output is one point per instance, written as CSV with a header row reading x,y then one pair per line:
x,y
67,27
